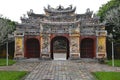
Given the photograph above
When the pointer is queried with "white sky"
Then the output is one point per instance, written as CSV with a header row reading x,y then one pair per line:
x,y
14,9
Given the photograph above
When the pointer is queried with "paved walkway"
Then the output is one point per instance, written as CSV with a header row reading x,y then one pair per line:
x,y
59,70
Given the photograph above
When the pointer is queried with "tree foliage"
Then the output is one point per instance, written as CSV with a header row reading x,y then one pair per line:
x,y
6,27
110,14
112,18
106,7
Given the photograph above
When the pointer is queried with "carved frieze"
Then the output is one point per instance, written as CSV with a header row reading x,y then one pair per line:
x,y
88,30
101,33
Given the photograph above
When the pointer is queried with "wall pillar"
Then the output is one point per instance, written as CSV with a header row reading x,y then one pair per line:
x,y
101,44
19,47
45,46
74,46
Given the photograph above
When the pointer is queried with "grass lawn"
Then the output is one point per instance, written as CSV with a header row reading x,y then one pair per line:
x,y
117,63
3,62
107,75
12,75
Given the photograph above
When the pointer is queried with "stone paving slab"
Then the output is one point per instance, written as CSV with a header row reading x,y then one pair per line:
x,y
59,69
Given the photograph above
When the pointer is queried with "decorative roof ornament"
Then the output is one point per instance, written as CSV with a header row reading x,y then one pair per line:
x,y
88,12
48,6
59,9
23,17
70,6
96,18
30,12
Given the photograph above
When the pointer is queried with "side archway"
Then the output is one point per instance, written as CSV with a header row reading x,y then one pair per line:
x,y
32,48
87,48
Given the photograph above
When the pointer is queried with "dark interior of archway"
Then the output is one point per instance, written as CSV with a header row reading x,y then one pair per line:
x,y
87,48
60,45
32,48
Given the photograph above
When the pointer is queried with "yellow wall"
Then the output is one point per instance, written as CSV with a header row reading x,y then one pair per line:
x,y
19,42
19,47
101,44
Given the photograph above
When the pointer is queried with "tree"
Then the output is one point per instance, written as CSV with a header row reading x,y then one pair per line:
x,y
106,7
110,14
6,27
112,18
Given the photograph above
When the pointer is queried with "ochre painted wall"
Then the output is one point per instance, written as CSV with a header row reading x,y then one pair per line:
x,y
102,46
19,42
19,47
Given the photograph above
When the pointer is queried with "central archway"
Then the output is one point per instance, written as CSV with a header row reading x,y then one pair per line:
x,y
32,48
87,48
60,44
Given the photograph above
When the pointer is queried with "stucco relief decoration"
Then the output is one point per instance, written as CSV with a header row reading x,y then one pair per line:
x,y
74,45
75,30
45,44
100,48
87,31
102,34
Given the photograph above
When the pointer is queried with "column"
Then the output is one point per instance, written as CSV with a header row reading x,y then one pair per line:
x,y
19,47
45,46
74,46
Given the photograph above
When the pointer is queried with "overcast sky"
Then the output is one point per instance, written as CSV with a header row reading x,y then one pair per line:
x,y
14,9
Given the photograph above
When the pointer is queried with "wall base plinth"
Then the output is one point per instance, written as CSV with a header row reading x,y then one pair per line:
x,y
101,55
45,56
74,56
